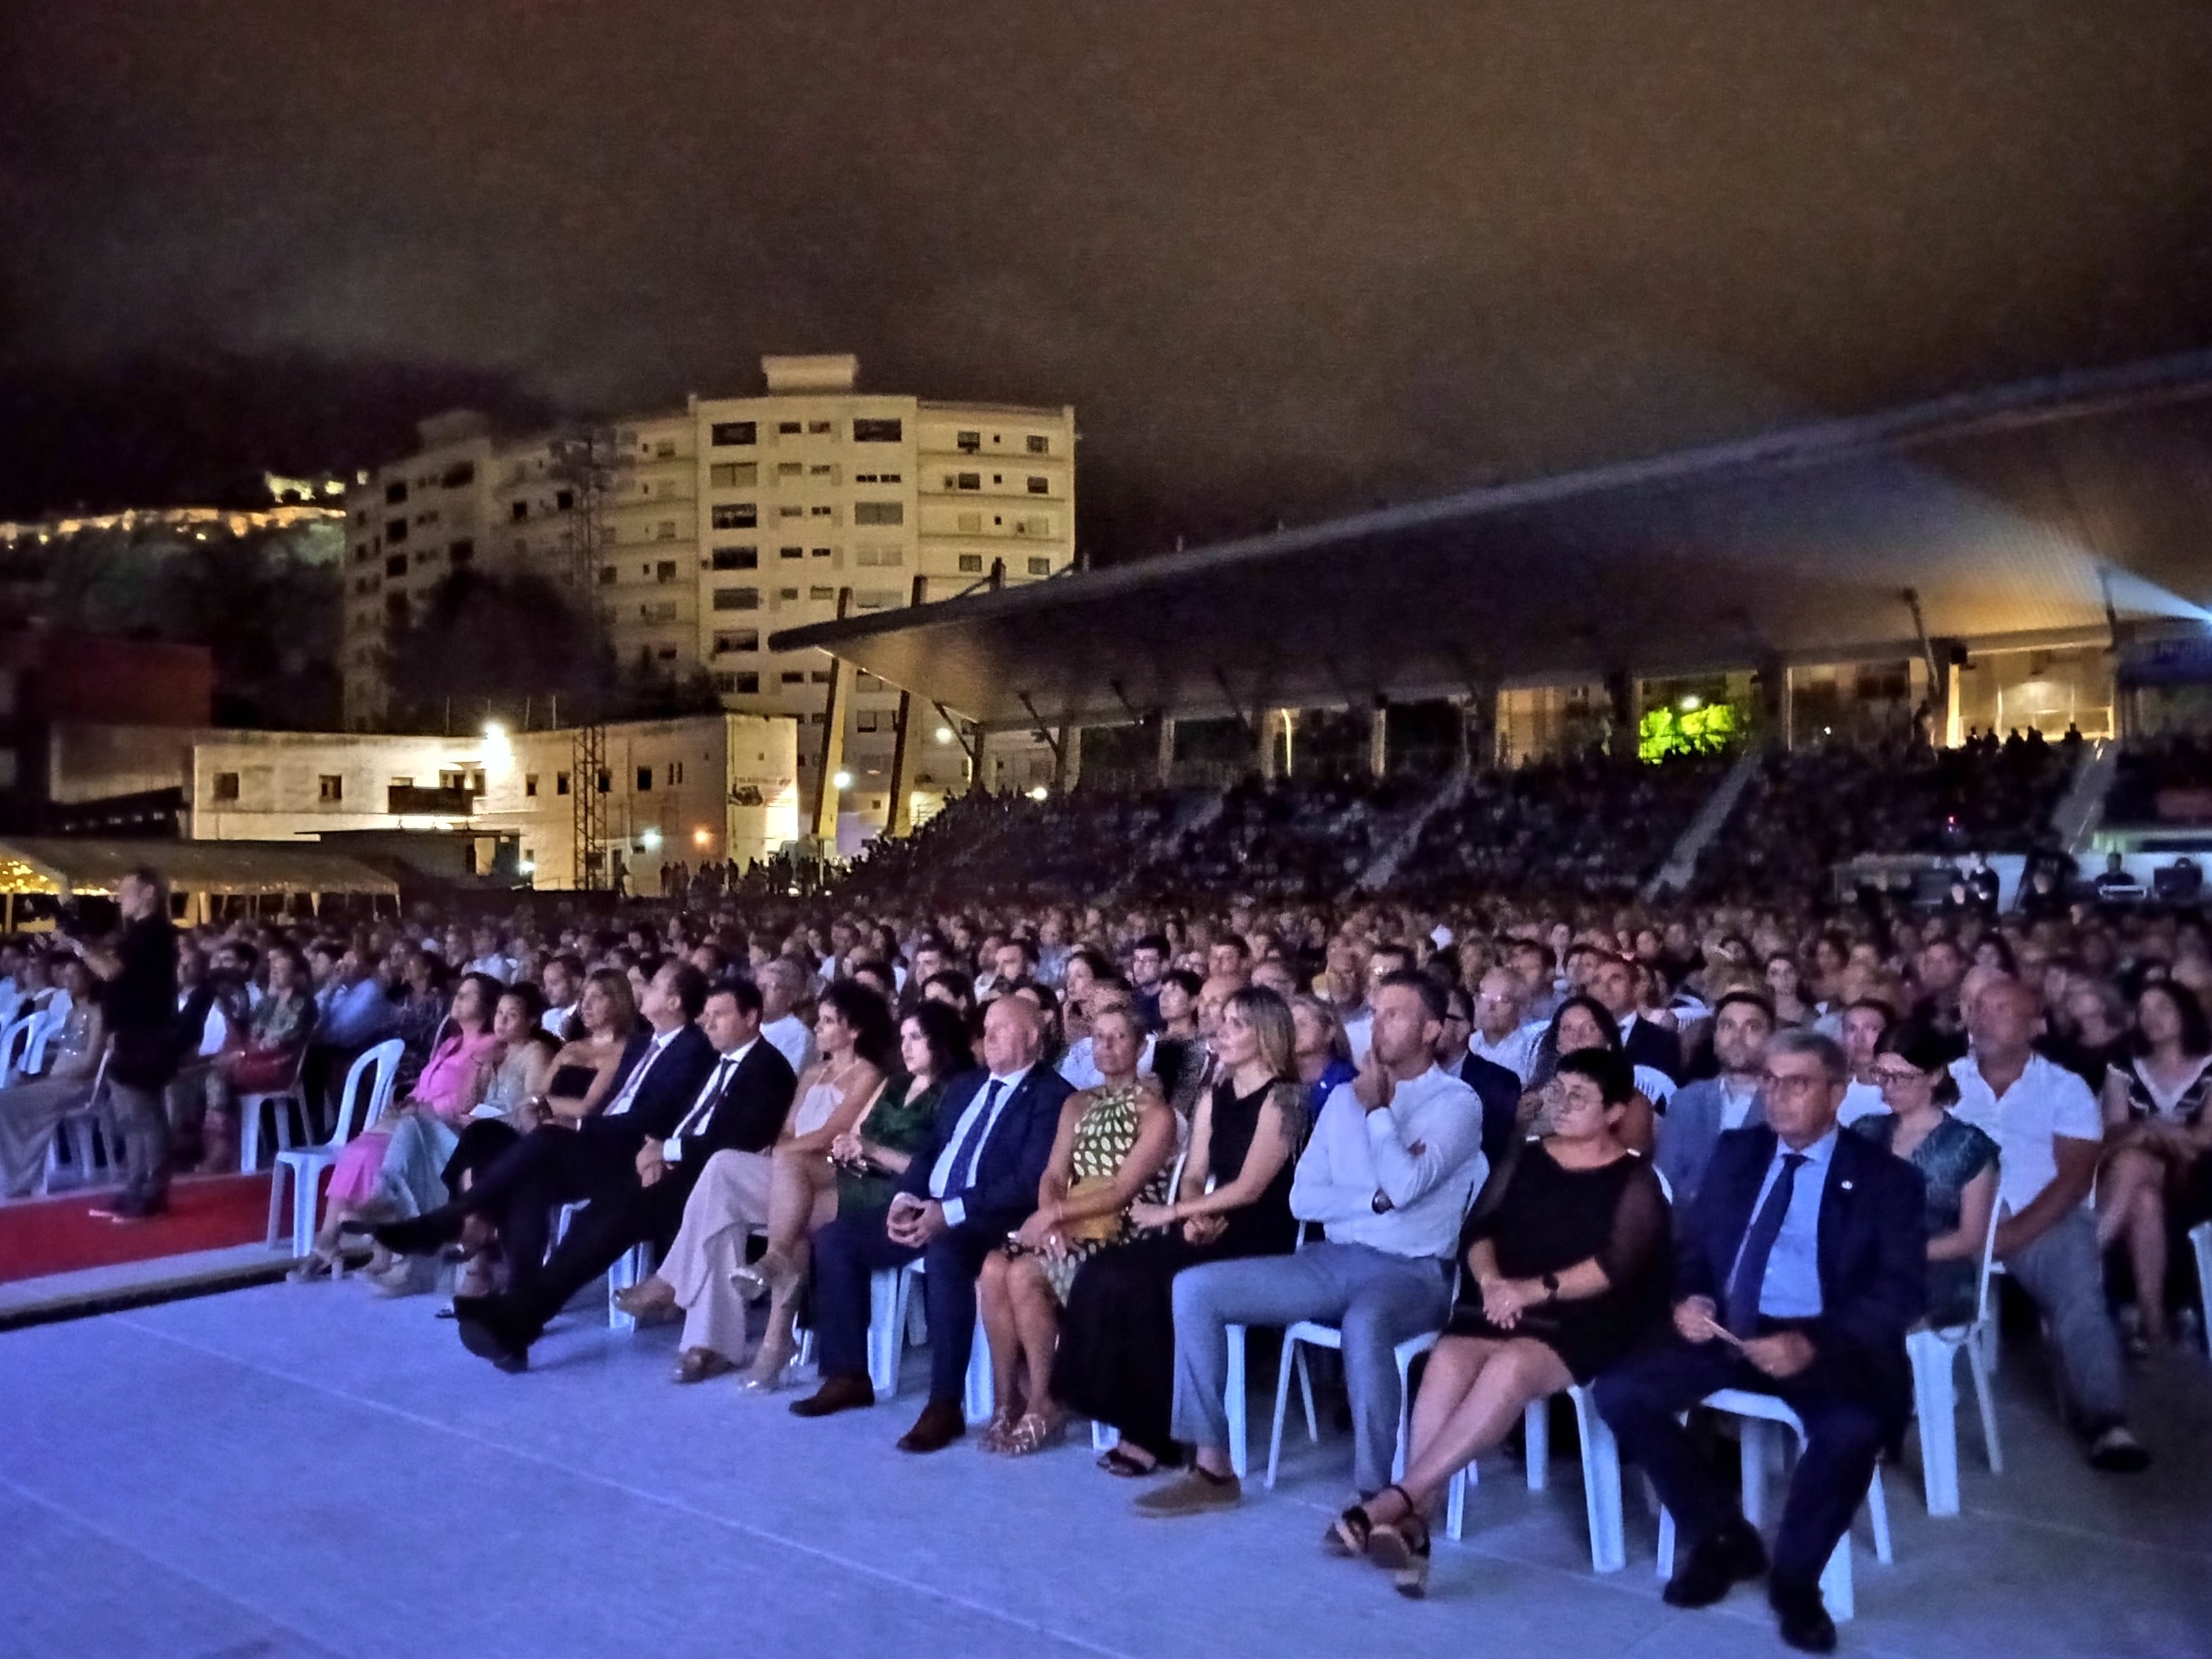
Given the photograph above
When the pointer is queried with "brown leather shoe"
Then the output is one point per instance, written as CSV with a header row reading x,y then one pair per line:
x,y
643,1300
836,1393
940,1424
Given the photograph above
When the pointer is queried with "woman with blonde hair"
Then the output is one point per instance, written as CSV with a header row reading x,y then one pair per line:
x,y
1116,1359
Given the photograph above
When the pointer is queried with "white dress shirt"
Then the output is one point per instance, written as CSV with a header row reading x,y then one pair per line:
x,y
1516,1051
1359,1032
1790,1288
794,1039
555,1020
627,1096
2045,1102
1355,1153
671,1150
996,1092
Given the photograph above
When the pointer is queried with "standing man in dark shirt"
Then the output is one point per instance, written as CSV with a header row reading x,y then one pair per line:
x,y
140,1004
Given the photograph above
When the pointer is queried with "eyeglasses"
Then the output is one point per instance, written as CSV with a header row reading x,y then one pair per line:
x,y
1900,1075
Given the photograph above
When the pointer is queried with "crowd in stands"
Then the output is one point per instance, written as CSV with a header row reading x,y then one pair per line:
x,y
1654,1149
2177,766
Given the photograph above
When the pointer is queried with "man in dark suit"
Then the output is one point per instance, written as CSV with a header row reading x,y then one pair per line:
x,y
1798,1271
972,1183
741,1105
658,1081
1498,1089
1613,982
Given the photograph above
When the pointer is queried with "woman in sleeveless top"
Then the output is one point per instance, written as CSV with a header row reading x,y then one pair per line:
x,y
1116,1362
1112,1152
739,1190
2158,1139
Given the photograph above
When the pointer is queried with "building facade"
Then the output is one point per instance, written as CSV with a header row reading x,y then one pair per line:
x,y
696,534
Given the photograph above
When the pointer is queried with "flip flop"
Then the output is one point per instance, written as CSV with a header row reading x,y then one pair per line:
x,y
1120,1463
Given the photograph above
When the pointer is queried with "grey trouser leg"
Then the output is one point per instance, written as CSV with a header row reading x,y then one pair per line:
x,y
1377,1300
142,1123
2062,1274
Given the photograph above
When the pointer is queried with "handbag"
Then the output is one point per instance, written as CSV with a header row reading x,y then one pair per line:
x,y
262,1071
1092,1229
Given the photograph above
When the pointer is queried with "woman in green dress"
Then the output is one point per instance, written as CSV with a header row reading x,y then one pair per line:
x,y
1111,1151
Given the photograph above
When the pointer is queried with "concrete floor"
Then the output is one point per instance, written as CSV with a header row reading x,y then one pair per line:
x,y
295,1471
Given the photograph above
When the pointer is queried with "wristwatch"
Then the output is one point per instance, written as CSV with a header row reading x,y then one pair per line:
x,y
1551,1283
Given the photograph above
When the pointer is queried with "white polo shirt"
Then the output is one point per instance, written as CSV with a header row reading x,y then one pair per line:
x,y
2047,1101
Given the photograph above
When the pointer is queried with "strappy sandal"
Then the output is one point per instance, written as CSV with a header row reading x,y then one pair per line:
x,y
1401,1548
1119,1462
315,1265
996,1432
1351,1532
1034,1434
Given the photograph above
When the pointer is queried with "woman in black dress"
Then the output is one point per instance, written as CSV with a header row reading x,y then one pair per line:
x,y
1565,1256
1116,1362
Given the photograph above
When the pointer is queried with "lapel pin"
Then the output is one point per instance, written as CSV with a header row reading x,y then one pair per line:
x,y
1846,1185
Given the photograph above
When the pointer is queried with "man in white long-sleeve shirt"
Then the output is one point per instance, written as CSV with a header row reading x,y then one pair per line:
x,y
1392,1162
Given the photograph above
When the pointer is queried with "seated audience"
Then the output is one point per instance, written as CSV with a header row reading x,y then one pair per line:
x,y
1698,1114
1798,1271
277,1031
1581,1022
1322,1052
1565,1269
33,1108
2158,1143
1957,1166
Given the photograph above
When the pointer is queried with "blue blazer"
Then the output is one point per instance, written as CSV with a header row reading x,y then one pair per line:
x,y
1005,1190
1689,1129
665,1095
1873,1253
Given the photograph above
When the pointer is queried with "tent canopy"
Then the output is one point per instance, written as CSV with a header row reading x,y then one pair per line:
x,y
68,866
2033,514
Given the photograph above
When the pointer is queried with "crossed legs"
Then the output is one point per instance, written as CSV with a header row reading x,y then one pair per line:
x,y
1021,1322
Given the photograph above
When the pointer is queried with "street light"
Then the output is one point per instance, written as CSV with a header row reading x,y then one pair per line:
x,y
649,839
945,734
843,780
700,836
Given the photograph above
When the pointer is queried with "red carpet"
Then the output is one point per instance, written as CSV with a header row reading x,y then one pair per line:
x,y
41,1236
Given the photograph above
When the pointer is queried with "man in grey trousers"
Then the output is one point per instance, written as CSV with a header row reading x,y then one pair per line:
x,y
1394,1161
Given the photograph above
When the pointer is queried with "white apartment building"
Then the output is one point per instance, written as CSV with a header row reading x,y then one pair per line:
x,y
701,532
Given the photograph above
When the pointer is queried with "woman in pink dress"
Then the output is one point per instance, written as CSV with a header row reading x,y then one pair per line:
x,y
461,1063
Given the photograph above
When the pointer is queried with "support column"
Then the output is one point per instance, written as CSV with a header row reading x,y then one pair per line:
x,y
1378,738
1068,759
899,821
1949,659
1778,705
1274,723
1165,764
1478,728
831,755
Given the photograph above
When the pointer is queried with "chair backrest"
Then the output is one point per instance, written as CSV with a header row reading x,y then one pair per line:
x,y
14,1041
1989,1256
383,1059
44,1024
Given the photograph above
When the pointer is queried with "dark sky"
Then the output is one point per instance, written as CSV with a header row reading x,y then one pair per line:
x,y
1284,259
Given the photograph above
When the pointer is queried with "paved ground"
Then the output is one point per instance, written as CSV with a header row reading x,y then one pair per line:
x,y
295,1471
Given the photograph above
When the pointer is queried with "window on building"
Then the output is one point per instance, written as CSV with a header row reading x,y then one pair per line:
x,y
607,575
814,718
330,789
820,677
395,609
461,551
737,558
396,531
880,431
817,427
664,449
865,721
737,598
786,594
733,475
563,499
968,481
823,552
743,639
664,530
969,442
1039,486
879,513
454,780
665,571
459,475
970,523
1041,566
827,469
793,677
396,565
743,685
521,511
731,434
789,429
791,469
818,594
675,772
736,515
396,491
225,786
971,564
998,478
822,512
1039,444
793,512
529,785
791,552
606,782
560,783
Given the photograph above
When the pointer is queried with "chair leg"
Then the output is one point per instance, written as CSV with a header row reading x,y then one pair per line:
x,y
1292,1352
249,1135
1665,1556
1878,1512
1601,1486
1836,1582
303,1210
888,1295
1455,1504
1536,1438
1753,1436
276,1200
1239,1459
1935,1400
1104,1437
1305,1393
1979,1369
981,1392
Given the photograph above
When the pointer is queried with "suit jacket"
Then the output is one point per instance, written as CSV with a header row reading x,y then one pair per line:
x,y
662,1099
1655,1046
1499,1090
1005,1190
749,1114
1688,1131
1873,1250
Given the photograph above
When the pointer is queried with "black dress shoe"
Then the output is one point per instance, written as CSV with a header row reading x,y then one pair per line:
x,y
489,1332
421,1235
1802,1617
1721,1560
941,1423
836,1393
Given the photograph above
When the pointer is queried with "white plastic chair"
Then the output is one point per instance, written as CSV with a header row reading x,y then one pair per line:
x,y
891,1322
306,1164
2200,1240
75,1129
14,1042
273,1100
1601,1477
44,1023
1934,1355
1755,1411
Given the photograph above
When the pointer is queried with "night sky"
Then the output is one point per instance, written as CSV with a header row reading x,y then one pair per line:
x,y
1285,259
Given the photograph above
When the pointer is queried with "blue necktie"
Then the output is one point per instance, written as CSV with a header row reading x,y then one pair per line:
x,y
1749,1279
971,1144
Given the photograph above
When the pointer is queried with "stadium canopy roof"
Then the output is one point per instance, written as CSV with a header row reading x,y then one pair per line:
x,y
66,865
2029,515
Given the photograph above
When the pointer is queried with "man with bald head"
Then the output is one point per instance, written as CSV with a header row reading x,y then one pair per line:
x,y
2049,1133
971,1184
